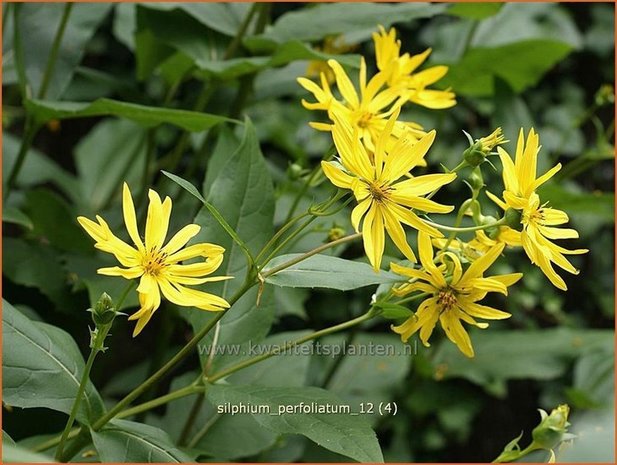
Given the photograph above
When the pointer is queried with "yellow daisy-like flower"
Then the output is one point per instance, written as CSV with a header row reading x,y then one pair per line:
x,y
158,266
384,202
367,111
451,300
399,71
537,221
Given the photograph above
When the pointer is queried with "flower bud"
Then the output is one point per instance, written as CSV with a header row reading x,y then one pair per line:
x,y
294,171
605,95
335,233
104,311
549,433
475,179
474,156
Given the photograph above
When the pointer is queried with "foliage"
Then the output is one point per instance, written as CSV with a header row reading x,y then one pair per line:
x,y
199,102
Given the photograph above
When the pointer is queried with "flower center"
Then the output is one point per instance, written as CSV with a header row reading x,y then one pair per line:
x,y
379,193
153,262
365,119
534,216
446,298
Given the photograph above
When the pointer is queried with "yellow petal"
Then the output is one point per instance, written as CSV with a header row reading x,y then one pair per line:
x,y
397,234
344,84
456,333
180,239
337,176
130,220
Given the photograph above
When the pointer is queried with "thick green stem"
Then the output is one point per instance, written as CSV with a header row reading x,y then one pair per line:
x,y
290,345
55,48
316,250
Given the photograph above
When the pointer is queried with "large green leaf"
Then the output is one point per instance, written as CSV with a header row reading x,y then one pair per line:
x,y
228,437
12,453
326,271
538,354
343,433
36,265
127,441
371,373
315,23
242,192
113,152
38,24
42,367
45,110
475,10
520,64
37,167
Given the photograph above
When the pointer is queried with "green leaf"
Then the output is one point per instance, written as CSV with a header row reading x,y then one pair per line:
x,y
37,167
127,441
112,152
285,370
520,64
16,216
42,367
284,54
37,25
326,271
372,371
474,10
45,110
228,436
536,354
315,23
38,266
242,191
47,210
342,433
12,453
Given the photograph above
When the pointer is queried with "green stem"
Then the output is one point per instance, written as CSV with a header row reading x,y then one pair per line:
x,y
278,235
310,253
43,446
82,387
174,395
501,222
55,48
190,421
412,298
30,130
290,345
288,239
22,78
307,183
457,222
202,432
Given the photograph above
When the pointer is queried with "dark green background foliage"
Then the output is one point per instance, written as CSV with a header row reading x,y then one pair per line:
x,y
139,88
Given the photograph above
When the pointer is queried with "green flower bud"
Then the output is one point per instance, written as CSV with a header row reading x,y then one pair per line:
x,y
513,219
474,156
550,432
294,171
335,233
104,311
605,95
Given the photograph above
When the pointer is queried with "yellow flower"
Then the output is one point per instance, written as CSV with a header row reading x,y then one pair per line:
x,y
367,112
384,203
537,221
399,71
333,45
158,266
451,300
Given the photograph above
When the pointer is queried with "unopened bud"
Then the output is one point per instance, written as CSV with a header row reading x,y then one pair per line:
x,y
294,171
104,311
474,156
475,179
335,233
605,95
550,432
